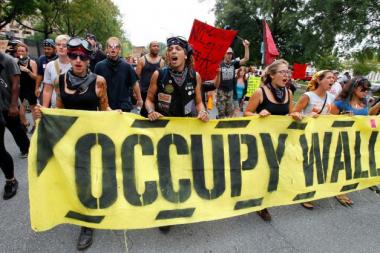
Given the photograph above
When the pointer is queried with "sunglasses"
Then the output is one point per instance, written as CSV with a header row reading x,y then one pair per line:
x,y
364,89
74,56
113,46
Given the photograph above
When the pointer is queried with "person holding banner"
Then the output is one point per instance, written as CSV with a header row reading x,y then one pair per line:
x,y
225,81
82,90
273,98
175,91
316,101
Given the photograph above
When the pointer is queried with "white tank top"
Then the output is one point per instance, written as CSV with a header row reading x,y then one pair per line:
x,y
316,102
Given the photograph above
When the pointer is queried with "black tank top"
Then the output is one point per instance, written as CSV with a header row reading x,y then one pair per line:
x,y
147,72
273,108
26,82
87,100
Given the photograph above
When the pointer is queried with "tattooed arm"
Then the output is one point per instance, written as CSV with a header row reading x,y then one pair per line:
x,y
101,92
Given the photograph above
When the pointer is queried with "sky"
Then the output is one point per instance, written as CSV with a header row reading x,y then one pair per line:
x,y
145,21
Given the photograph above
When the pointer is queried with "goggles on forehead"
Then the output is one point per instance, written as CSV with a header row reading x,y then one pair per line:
x,y
76,43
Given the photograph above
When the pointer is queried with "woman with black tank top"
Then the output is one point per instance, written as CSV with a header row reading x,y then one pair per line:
x,y
28,78
80,89
273,98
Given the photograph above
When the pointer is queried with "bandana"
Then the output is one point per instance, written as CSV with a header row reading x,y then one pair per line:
x,y
179,77
278,93
79,83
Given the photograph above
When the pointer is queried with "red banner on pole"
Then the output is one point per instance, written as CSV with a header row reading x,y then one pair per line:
x,y
209,45
299,71
270,50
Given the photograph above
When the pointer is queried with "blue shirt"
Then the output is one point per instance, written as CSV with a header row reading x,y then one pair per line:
x,y
343,106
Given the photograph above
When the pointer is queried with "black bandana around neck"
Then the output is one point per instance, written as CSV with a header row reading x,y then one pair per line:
x,y
113,63
179,77
79,83
278,93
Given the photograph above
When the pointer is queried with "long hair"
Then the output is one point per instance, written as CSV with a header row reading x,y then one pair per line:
x,y
348,89
314,82
271,70
240,70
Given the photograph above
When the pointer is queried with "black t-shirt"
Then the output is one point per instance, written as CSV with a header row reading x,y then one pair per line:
x,y
97,57
120,77
227,79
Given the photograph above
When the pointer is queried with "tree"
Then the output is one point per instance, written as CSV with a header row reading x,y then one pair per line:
x,y
99,17
12,9
303,30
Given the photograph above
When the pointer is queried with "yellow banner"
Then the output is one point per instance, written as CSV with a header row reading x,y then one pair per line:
x,y
119,171
254,83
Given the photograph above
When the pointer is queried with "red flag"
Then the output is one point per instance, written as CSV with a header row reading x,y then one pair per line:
x,y
299,71
209,46
270,49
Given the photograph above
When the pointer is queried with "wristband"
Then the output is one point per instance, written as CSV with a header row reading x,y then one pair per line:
x,y
150,110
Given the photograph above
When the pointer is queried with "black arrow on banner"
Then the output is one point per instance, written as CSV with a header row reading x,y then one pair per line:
x,y
50,130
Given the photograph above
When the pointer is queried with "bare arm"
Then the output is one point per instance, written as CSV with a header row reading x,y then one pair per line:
x,y
302,103
253,103
374,110
246,52
38,83
48,91
140,66
101,92
202,113
150,99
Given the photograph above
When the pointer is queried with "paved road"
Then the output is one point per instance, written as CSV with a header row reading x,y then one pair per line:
x,y
329,228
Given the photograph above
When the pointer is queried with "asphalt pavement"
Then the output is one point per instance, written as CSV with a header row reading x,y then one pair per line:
x,y
330,227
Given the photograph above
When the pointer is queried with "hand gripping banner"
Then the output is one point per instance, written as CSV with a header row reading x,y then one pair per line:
x,y
119,171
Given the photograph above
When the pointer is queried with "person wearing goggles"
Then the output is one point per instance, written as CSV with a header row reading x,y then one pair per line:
x,y
80,89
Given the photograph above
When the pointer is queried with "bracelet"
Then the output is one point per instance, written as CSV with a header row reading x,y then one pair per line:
x,y
150,110
202,111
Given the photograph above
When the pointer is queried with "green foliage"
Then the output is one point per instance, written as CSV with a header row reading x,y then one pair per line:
x,y
304,31
14,9
75,17
328,62
363,68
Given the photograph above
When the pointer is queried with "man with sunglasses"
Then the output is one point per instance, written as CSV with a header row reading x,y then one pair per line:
x,y
120,76
54,69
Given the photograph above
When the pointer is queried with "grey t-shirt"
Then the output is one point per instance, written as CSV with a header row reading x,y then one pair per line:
x,y
8,68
